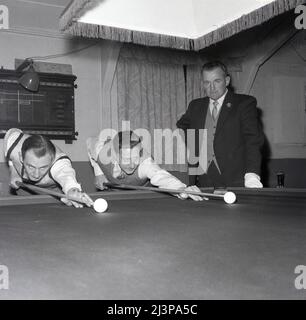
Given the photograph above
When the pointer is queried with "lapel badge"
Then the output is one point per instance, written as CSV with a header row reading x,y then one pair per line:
x,y
229,105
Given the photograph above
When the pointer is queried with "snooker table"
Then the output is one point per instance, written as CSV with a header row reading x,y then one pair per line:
x,y
154,246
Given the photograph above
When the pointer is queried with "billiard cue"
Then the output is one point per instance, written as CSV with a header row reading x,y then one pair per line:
x,y
195,193
48,191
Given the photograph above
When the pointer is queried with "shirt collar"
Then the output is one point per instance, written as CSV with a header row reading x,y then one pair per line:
x,y
220,101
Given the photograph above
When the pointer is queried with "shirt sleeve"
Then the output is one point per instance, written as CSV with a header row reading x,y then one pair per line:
x,y
9,138
14,175
93,148
158,176
63,173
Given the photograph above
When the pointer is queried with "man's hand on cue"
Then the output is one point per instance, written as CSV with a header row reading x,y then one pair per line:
x,y
76,193
13,184
184,196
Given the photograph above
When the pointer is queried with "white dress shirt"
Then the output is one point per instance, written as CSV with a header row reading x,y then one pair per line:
x,y
220,102
61,171
147,168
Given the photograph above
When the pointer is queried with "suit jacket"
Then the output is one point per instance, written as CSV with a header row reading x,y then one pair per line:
x,y
238,139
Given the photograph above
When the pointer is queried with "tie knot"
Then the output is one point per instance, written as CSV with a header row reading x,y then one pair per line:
x,y
215,103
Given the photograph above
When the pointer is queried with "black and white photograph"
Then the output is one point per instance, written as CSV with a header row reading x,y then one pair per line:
x,y
153,153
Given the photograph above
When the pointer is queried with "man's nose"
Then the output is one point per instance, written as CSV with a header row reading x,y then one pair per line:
x,y
133,165
36,173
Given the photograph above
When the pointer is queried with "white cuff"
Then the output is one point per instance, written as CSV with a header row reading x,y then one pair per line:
x,y
71,184
252,180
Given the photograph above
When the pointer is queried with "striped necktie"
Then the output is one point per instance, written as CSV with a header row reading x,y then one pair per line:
x,y
215,110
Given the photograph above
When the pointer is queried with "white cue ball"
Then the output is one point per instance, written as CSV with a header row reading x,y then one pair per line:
x,y
100,205
230,197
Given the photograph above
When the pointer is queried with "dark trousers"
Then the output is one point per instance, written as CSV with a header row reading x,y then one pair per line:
x,y
211,179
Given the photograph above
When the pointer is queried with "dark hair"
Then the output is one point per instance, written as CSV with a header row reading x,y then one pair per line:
x,y
213,65
39,144
128,138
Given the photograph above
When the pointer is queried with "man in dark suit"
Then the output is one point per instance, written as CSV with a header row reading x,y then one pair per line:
x,y
234,136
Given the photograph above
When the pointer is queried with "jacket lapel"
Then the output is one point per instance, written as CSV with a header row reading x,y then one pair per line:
x,y
226,109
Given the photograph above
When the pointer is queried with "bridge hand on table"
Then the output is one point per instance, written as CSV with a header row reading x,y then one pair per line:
x,y
193,197
14,184
75,193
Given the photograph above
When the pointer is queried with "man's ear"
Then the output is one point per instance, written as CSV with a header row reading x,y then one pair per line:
x,y
227,80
